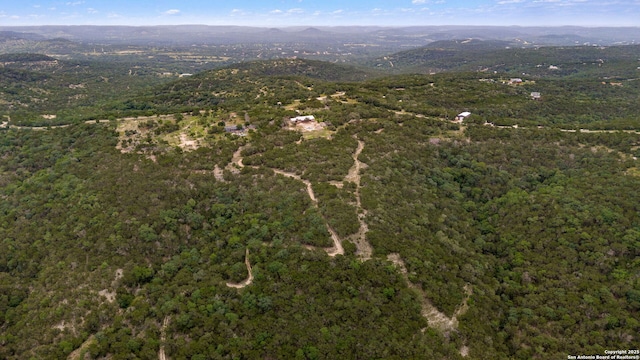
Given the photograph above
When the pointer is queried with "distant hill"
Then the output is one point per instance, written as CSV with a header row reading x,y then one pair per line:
x,y
502,56
25,57
14,35
249,83
312,31
470,44
301,67
35,84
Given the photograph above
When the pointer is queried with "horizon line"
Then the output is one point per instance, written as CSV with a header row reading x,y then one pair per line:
x,y
327,26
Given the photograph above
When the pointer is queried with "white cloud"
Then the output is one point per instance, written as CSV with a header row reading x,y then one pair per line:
x,y
92,11
505,2
276,11
337,12
416,2
295,11
172,12
75,3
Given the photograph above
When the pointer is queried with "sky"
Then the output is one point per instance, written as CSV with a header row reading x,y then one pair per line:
x,y
282,13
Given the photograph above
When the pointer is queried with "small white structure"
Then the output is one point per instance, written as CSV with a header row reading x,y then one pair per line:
x,y
304,118
535,95
462,116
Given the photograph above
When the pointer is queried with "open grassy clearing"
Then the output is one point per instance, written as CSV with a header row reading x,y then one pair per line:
x,y
185,131
315,134
188,133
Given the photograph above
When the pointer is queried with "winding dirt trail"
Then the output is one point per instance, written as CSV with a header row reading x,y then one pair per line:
x,y
337,248
236,164
312,196
435,317
354,173
163,338
364,249
236,161
249,278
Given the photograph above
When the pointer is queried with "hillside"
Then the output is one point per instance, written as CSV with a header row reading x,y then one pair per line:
x,y
241,85
504,57
35,86
197,221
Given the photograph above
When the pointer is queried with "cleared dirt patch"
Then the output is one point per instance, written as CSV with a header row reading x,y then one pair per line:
x,y
311,129
187,134
110,295
218,173
186,143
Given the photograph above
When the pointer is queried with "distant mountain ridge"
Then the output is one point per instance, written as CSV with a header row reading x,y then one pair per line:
x,y
414,35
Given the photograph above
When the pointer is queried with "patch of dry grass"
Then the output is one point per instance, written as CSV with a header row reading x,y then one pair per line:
x,y
634,171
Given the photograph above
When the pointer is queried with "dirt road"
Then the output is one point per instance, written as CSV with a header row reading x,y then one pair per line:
x,y
337,248
249,278
435,317
163,335
364,249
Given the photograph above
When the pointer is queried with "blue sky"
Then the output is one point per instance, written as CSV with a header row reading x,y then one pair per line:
x,y
281,13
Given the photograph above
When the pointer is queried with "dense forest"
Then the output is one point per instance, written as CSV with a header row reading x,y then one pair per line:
x,y
148,216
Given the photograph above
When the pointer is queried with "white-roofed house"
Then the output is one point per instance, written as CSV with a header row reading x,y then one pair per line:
x,y
303,118
463,115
